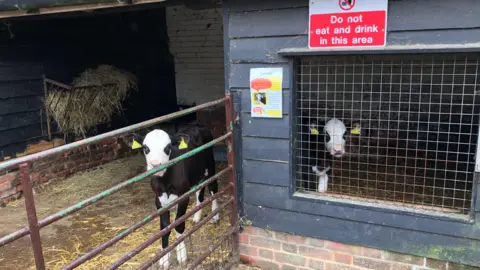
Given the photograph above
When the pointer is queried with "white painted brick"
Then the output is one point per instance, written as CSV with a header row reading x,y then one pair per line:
x,y
196,43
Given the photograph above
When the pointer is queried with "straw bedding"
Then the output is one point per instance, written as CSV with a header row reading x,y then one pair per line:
x,y
69,238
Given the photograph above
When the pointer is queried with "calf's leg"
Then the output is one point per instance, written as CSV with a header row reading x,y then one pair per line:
x,y
199,196
181,248
164,262
213,188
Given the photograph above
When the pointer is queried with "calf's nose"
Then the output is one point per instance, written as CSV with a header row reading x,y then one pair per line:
x,y
337,148
155,163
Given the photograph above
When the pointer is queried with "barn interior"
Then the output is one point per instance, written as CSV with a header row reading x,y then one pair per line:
x,y
176,55
154,43
416,122
66,45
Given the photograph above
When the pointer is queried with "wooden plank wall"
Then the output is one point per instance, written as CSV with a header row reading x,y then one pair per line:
x,y
22,115
254,32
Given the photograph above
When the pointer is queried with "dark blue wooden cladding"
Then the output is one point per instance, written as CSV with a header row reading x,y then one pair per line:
x,y
20,104
294,21
402,15
267,173
279,198
226,45
253,5
22,134
11,121
452,36
441,247
432,14
9,151
240,74
257,30
263,50
20,71
280,22
22,117
237,104
265,149
265,127
10,89
247,106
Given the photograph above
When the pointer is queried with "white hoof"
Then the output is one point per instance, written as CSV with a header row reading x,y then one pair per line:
x,y
181,253
323,183
322,188
197,216
164,262
216,218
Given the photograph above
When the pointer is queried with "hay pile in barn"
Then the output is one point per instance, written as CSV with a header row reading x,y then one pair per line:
x,y
94,97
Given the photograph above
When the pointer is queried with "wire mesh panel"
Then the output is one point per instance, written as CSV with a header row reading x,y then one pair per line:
x,y
404,128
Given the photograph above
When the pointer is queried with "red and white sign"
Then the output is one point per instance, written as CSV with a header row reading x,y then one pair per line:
x,y
347,23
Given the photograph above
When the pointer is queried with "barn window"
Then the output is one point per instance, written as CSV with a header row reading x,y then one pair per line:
x,y
411,125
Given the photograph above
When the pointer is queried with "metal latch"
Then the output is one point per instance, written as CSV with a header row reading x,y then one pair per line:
x,y
237,119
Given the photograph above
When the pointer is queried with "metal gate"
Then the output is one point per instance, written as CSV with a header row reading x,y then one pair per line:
x,y
34,225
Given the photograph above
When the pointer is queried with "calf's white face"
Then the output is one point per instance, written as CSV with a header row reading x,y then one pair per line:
x,y
156,147
335,132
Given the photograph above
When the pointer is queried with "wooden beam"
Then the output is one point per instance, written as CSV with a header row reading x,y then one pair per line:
x,y
46,9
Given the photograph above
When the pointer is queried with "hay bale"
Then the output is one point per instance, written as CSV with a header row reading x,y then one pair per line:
x,y
94,97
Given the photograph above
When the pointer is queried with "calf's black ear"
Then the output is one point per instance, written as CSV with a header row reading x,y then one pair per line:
x,y
133,141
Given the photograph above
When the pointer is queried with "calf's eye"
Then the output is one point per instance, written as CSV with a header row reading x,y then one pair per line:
x,y
327,137
146,150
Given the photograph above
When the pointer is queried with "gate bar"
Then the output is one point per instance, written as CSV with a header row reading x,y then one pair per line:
x,y
34,228
204,255
170,227
114,133
76,207
177,241
95,251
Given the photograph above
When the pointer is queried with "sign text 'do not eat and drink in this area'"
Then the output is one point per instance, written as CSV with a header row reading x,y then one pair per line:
x,y
347,23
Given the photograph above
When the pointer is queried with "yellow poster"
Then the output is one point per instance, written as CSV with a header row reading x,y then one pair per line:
x,y
266,92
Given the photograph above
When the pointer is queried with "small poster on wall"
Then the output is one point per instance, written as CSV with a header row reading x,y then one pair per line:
x,y
266,92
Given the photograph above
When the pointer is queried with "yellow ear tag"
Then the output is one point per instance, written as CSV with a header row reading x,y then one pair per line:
x,y
355,131
183,144
136,145
314,131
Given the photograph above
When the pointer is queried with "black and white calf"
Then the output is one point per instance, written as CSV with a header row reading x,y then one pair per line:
x,y
174,181
335,137
322,146
261,98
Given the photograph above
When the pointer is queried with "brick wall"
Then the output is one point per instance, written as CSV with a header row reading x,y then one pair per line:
x,y
196,43
62,165
274,250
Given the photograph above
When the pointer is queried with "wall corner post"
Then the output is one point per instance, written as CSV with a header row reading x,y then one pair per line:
x,y
231,162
